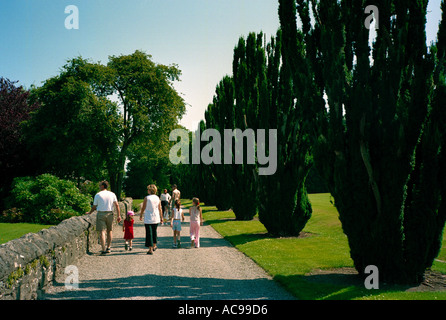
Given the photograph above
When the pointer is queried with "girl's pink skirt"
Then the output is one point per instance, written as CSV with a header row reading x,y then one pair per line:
x,y
195,232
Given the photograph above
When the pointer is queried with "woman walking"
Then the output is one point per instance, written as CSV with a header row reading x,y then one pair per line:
x,y
151,211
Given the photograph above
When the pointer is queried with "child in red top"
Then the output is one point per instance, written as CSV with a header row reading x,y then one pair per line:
x,y
128,230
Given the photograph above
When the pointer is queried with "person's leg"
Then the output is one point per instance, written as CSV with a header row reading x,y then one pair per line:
x,y
178,238
178,230
174,236
109,224
193,227
102,239
149,243
163,208
197,236
109,238
154,235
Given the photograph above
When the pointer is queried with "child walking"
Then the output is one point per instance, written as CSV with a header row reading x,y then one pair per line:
x,y
127,228
196,220
178,216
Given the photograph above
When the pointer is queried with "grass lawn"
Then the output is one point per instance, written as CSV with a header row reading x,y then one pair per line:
x,y
289,260
10,231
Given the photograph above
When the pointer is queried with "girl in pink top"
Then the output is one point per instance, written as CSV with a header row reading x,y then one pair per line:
x,y
196,220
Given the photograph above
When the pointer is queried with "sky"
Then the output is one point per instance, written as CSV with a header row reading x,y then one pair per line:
x,y
197,35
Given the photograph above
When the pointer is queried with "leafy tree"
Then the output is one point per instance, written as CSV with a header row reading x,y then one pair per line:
x,y
148,163
150,105
74,129
367,139
92,114
15,108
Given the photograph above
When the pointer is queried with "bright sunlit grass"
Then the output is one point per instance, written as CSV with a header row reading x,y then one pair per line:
x,y
289,260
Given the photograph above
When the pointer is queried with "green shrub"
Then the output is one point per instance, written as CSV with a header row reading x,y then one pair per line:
x,y
12,215
89,188
47,199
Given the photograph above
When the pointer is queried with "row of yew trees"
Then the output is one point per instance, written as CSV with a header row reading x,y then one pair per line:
x,y
370,119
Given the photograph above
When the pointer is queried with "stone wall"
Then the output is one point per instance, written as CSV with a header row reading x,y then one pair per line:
x,y
30,264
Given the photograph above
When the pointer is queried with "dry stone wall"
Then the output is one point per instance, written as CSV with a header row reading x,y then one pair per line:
x,y
30,264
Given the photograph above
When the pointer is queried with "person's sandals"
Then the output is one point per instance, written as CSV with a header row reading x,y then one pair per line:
x,y
149,252
108,250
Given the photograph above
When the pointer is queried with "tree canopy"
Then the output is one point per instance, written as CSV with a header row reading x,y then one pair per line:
x,y
92,113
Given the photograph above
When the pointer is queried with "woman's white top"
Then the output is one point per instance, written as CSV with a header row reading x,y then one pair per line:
x,y
152,214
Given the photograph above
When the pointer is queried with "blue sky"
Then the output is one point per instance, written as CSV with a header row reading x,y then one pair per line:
x,y
198,35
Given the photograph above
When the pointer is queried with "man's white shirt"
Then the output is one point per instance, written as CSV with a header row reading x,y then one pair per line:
x,y
104,200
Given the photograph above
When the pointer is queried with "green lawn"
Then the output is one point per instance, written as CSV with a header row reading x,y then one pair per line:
x,y
289,260
10,231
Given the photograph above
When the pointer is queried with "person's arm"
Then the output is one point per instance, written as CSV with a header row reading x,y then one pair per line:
x,y
201,217
160,210
95,205
118,210
182,215
93,208
143,208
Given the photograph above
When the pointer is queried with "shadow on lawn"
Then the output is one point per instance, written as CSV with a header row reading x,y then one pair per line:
x,y
324,287
347,284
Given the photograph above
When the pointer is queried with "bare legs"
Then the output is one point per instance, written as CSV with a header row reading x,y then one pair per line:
x,y
102,239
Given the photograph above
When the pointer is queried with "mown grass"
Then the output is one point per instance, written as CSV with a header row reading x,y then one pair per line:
x,y
10,231
289,260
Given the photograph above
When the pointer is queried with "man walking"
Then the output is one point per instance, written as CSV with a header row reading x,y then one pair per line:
x,y
103,202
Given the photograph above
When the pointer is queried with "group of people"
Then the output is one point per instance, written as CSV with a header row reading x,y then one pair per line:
x,y
155,211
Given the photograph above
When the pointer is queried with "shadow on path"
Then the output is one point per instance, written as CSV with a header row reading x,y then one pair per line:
x,y
167,288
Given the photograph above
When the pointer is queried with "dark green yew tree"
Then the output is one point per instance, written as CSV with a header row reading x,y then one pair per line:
x,y
220,116
379,141
284,207
261,95
246,68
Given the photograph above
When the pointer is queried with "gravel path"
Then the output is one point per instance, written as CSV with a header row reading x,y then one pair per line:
x,y
215,271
